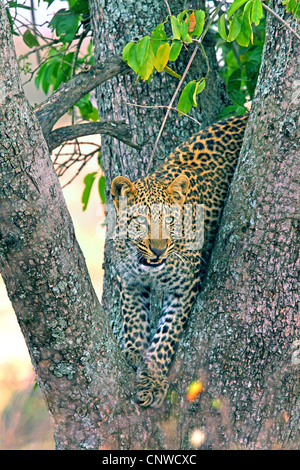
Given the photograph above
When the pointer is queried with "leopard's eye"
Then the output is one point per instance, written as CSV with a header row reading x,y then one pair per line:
x,y
140,219
169,219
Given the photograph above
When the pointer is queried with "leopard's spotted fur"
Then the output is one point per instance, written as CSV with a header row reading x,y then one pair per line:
x,y
198,172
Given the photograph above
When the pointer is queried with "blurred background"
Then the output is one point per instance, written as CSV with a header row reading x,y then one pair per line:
x,y
24,419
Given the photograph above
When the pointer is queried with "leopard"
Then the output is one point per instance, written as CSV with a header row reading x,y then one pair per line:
x,y
167,222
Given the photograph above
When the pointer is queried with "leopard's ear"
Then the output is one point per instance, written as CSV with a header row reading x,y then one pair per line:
x,y
121,186
178,188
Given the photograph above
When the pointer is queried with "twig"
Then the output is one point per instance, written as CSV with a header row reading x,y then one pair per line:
x,y
117,129
170,106
281,20
168,7
36,49
162,106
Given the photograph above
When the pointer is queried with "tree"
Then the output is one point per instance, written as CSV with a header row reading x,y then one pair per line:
x,y
246,359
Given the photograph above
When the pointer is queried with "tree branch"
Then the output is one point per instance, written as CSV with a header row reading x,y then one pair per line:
x,y
117,129
281,20
69,93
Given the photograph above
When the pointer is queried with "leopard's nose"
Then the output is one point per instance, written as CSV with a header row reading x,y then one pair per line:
x,y
158,251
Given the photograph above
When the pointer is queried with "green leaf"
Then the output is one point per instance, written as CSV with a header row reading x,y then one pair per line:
x,y
142,49
159,32
200,87
175,50
79,6
234,29
146,68
132,58
101,188
183,14
200,17
29,39
234,80
222,27
162,57
88,182
86,108
18,5
42,81
256,12
297,11
126,51
187,39
246,33
176,29
186,100
226,112
158,37
235,6
64,23
184,30
171,72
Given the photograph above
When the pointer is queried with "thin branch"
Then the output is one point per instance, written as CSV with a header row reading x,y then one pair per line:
x,y
281,20
180,83
62,168
38,48
168,7
164,107
117,129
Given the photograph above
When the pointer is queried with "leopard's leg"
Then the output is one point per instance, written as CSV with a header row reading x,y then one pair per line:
x,y
135,311
152,384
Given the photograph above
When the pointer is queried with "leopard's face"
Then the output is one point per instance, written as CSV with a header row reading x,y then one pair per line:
x,y
150,217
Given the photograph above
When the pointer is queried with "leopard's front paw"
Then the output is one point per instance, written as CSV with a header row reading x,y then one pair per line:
x,y
151,387
133,357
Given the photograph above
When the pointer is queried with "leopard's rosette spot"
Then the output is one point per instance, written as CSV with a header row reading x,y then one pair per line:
x,y
133,357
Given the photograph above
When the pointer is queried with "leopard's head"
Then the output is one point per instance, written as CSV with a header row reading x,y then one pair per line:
x,y
150,216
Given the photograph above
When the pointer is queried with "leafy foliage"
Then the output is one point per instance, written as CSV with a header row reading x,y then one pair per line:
x,y
239,33
244,23
61,59
240,62
154,53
